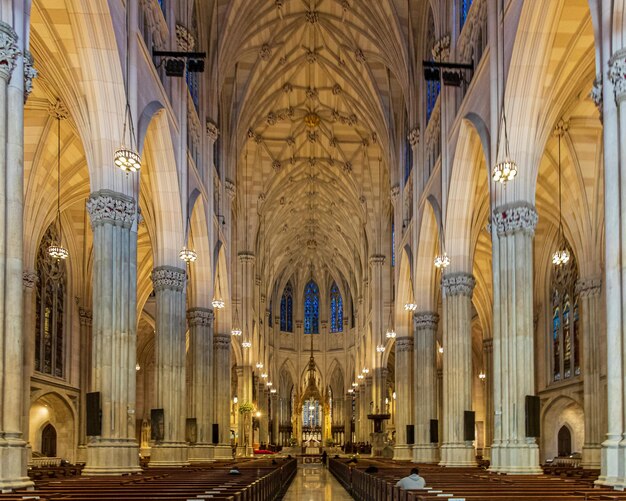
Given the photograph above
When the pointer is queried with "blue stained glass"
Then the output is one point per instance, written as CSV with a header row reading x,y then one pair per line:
x,y
433,88
336,309
556,349
193,83
286,309
311,308
464,7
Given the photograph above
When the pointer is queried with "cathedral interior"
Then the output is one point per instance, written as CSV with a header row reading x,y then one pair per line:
x,y
365,227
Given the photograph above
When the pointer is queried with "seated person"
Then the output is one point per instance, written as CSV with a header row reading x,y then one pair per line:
x,y
371,469
234,471
413,481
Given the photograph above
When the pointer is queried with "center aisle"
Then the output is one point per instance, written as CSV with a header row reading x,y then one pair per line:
x,y
314,483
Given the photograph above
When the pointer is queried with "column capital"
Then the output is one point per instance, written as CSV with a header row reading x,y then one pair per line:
x,y
394,193
299,324
85,316
511,218
246,257
617,74
200,316
457,284
9,51
596,93
230,188
30,73
404,344
414,136
29,279
168,278
212,130
110,207
424,320
378,259
589,287
221,342
488,345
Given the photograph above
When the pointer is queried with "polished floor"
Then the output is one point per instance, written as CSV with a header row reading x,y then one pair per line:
x,y
314,483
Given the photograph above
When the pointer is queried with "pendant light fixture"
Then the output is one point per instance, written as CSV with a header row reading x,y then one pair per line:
x,y
391,333
236,330
561,255
506,169
218,302
127,158
56,250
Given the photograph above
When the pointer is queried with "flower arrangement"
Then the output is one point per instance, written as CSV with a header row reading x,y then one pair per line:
x,y
245,407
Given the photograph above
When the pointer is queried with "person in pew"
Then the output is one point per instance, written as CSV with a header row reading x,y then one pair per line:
x,y
234,471
413,481
371,469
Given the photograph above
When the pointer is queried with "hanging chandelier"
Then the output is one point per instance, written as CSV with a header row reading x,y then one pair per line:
x,y
235,331
218,302
246,344
390,334
259,365
504,171
56,249
269,383
561,255
380,348
187,255
442,260
410,307
264,375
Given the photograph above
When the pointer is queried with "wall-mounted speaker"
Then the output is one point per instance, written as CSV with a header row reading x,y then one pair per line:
x,y
94,414
410,434
216,433
469,426
434,431
533,410
157,424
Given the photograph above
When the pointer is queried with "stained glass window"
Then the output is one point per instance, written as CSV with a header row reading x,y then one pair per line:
x,y
432,93
50,309
565,332
464,7
311,308
336,309
286,309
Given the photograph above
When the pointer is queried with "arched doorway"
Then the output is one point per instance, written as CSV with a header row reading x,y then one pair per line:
x,y
49,441
564,441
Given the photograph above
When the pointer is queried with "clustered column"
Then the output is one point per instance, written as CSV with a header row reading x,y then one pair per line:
x,y
425,398
404,377
200,322
457,291
221,396
489,412
114,332
170,287
513,360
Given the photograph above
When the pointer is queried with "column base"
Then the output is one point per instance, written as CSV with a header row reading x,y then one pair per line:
x,y
592,455
81,453
403,453
455,455
112,457
222,452
609,475
425,453
13,461
169,454
515,459
201,453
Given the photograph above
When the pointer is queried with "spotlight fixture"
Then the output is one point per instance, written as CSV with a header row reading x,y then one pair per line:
x,y
187,255
448,73
174,67
195,65
452,78
380,348
177,61
442,261
432,74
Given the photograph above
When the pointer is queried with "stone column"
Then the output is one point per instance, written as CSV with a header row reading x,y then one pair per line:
x,y
264,419
589,293
275,402
170,287
29,281
513,351
488,363
221,395
244,391
85,366
425,385
347,419
404,377
13,445
378,384
457,291
114,332
200,322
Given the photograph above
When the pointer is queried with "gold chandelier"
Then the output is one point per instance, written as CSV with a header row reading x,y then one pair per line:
x,y
561,255
56,250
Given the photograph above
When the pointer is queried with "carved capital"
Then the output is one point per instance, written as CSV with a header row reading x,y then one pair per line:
x,y
30,73
246,257
229,188
377,259
221,342
589,287
106,206
425,320
265,52
414,136
29,279
596,94
85,316
511,218
299,324
457,284
185,41
168,278
404,344
617,74
441,49
9,51
488,345
212,131
395,193
58,110
200,317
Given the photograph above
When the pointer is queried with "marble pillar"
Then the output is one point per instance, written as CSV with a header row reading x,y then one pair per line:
x,y
86,318
425,386
488,368
404,378
513,228
221,394
457,289
13,446
114,332
29,281
170,287
589,294
200,321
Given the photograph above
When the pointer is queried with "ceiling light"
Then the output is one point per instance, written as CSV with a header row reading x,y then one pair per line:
x,y
380,348
235,332
410,307
246,344
127,159
504,171
442,260
187,255
390,334
259,365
